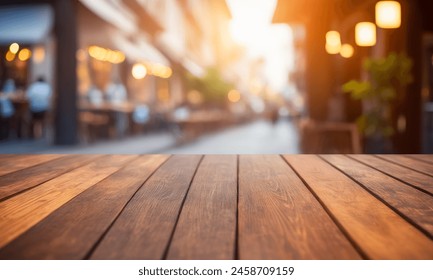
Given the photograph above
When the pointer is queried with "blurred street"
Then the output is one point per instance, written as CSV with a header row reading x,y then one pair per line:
x,y
259,137
195,76
256,137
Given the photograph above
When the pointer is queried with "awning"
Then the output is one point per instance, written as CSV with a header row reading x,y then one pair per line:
x,y
193,68
140,50
115,15
25,24
172,45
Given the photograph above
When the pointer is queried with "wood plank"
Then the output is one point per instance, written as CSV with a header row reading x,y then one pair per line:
x,y
71,231
411,177
410,163
11,163
145,226
413,204
379,231
280,219
207,224
21,180
425,158
23,211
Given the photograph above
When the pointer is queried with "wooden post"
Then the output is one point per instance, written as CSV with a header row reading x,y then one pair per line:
x,y
410,141
66,122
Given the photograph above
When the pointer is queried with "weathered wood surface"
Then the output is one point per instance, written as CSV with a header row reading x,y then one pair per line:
x,y
23,211
416,179
11,163
409,202
380,232
216,207
277,211
20,180
72,230
144,228
207,224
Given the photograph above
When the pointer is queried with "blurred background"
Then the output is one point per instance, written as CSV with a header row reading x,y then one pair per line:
x,y
216,76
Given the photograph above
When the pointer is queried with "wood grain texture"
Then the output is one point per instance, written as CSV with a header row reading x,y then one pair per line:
x,y
23,211
379,231
410,163
157,206
207,224
11,163
280,219
144,228
410,202
424,158
27,178
411,177
71,231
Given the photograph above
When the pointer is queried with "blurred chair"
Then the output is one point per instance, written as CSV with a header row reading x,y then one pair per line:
x,y
329,137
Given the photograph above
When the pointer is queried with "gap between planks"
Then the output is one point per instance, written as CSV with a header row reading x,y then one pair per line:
x,y
23,211
377,229
411,204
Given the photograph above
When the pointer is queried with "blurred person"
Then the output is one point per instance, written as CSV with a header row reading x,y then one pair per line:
x,y
95,96
140,117
274,113
9,87
116,93
182,112
141,114
39,96
6,114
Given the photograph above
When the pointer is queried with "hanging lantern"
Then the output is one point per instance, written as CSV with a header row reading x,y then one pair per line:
x,y
333,42
347,51
388,14
365,34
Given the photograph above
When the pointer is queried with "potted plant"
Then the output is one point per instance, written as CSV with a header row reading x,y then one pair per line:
x,y
379,95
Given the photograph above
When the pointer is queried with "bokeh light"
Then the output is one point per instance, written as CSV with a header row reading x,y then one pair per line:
x,y
139,71
347,51
234,96
14,48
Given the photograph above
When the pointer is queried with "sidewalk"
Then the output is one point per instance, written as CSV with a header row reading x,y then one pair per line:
x,y
260,137
144,144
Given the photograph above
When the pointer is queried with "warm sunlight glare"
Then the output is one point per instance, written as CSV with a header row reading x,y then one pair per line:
x,y
250,19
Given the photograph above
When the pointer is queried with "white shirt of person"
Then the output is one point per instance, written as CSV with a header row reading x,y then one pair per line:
x,y
95,96
116,93
6,107
39,95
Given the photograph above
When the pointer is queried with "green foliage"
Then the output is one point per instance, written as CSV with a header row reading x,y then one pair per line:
x,y
387,77
212,86
359,90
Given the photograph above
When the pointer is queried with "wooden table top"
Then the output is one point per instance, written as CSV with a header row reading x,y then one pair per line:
x,y
216,207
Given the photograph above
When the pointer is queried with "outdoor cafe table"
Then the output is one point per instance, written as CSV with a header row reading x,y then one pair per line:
x,y
216,207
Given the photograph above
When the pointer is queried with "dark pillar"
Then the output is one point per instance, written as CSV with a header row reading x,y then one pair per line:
x,y
408,39
66,123
410,141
